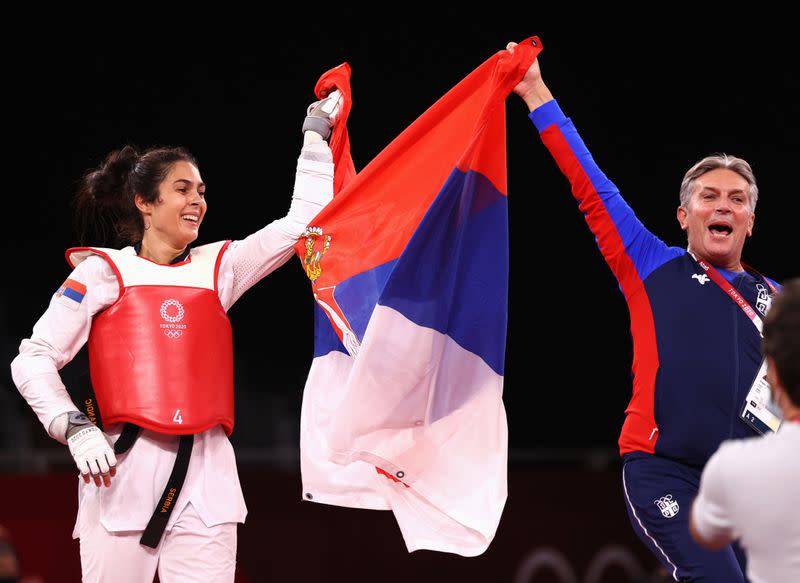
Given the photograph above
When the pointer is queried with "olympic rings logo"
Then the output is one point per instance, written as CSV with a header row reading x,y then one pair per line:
x,y
551,560
172,319
172,329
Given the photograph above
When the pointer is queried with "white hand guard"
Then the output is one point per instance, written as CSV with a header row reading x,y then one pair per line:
x,y
91,448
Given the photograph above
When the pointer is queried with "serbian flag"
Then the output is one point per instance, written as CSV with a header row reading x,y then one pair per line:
x,y
408,264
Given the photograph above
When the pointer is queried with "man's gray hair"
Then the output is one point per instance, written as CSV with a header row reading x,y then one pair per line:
x,y
709,163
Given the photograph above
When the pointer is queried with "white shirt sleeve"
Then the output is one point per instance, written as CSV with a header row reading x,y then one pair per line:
x,y
57,337
247,261
711,511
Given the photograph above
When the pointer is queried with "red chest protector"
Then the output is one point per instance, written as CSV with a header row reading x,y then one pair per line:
x,y
161,356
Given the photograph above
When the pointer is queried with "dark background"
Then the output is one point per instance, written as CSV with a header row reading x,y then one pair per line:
x,y
648,102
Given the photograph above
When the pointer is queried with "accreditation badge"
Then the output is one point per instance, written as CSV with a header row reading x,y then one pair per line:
x,y
760,411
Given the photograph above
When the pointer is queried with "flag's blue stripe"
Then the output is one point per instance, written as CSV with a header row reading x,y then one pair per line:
x,y
325,338
73,295
358,295
453,274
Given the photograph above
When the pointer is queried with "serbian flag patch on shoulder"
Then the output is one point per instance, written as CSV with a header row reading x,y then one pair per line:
x,y
71,293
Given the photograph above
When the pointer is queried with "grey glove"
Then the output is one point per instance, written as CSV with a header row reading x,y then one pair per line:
x,y
321,115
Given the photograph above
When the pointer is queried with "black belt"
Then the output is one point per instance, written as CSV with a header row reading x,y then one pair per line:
x,y
158,522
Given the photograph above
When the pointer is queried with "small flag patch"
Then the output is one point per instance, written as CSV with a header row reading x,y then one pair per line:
x,y
71,293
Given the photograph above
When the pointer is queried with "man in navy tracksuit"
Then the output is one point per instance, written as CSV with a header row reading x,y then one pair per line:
x,y
695,320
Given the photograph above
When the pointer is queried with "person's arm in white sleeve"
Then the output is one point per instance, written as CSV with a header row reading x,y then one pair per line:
x,y
247,261
709,520
57,337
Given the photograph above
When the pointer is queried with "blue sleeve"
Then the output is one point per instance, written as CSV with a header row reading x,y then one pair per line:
x,y
619,233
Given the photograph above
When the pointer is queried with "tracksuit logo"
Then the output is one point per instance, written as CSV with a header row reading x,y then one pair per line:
x,y
764,300
668,506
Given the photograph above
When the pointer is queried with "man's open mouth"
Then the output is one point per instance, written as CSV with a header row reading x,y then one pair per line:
x,y
720,229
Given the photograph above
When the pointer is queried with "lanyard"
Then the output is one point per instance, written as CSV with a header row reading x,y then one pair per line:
x,y
728,288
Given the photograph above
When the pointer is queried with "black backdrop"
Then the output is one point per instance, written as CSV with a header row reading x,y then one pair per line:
x,y
648,103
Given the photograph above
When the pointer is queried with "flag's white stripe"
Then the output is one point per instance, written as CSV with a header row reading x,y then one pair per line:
x,y
432,410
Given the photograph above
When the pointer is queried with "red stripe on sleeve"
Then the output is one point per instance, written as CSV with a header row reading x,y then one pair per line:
x,y
639,432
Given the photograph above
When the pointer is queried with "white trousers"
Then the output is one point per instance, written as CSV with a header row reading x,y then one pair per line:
x,y
189,552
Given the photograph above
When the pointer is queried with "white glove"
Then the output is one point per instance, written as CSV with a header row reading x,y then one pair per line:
x,y
91,448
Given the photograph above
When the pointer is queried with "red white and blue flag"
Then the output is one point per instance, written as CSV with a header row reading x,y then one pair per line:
x,y
71,293
403,406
